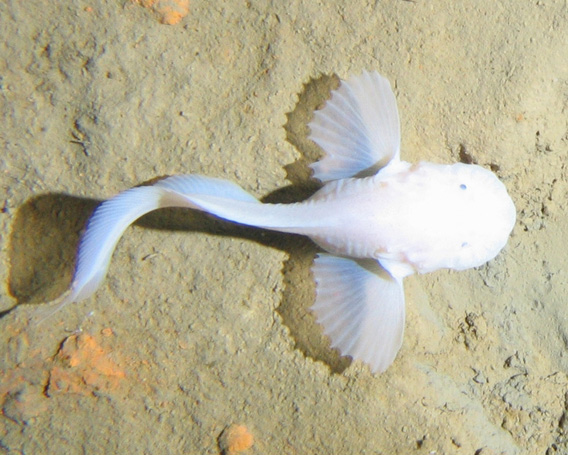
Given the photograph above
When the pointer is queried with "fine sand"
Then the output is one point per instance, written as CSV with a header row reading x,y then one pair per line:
x,y
202,324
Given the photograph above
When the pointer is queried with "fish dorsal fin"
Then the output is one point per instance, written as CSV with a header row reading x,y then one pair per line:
x,y
361,307
358,128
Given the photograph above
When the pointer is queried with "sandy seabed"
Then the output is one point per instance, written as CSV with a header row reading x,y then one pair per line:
x,y
202,324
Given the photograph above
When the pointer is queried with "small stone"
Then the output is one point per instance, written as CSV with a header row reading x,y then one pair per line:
x,y
235,439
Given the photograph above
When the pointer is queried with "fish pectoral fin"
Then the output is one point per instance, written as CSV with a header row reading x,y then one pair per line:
x,y
358,129
361,307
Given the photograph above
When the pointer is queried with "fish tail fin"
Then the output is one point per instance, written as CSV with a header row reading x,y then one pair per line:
x,y
111,218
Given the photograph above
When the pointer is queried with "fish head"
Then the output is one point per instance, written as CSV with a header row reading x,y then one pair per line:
x,y
481,212
446,217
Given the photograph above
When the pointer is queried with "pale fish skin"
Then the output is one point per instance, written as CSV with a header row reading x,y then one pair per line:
x,y
378,229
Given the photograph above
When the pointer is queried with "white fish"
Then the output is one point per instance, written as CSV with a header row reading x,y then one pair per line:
x,y
378,229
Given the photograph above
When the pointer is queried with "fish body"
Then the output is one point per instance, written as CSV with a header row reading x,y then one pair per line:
x,y
376,230
419,218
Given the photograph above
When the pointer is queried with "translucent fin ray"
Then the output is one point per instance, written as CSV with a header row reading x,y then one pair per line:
x,y
361,308
357,128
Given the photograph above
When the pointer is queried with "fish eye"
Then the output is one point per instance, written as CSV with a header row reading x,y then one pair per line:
x,y
463,186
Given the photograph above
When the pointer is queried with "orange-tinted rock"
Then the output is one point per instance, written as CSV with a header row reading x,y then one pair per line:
x,y
82,367
236,439
169,12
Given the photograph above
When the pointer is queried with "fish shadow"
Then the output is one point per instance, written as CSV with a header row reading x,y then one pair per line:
x,y
46,231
